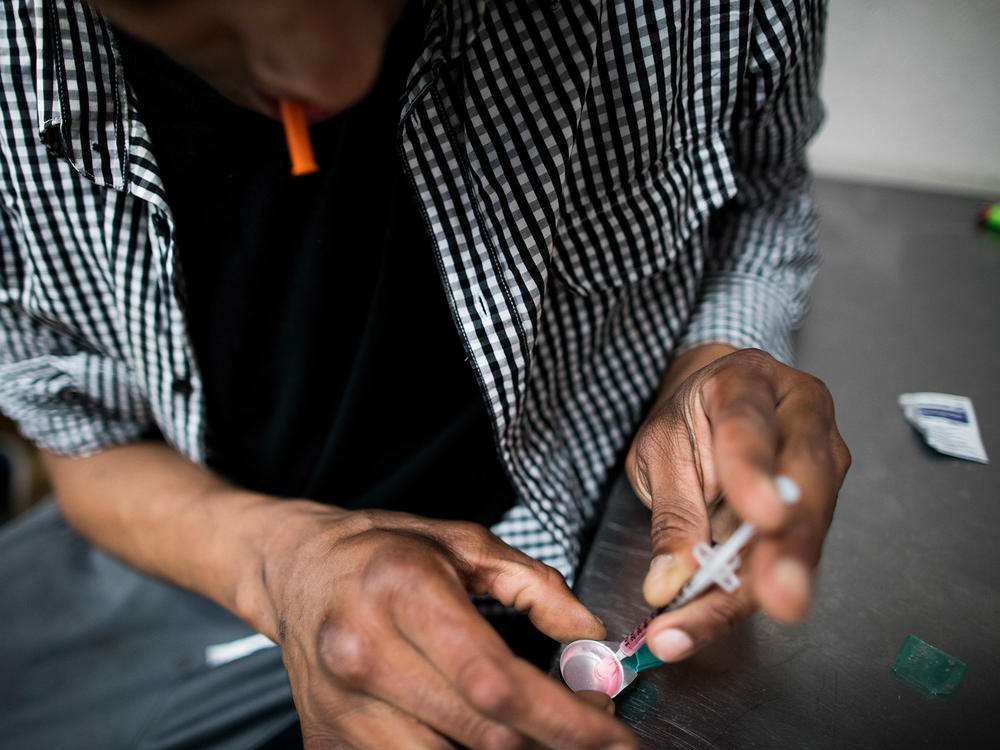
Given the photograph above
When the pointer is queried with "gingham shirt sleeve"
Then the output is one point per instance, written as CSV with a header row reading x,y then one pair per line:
x,y
66,397
764,250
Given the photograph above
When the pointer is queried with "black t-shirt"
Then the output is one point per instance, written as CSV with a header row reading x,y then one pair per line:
x,y
331,365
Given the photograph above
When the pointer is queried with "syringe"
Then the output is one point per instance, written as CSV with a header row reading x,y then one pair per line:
x,y
717,565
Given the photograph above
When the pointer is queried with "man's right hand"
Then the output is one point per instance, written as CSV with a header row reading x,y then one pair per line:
x,y
384,648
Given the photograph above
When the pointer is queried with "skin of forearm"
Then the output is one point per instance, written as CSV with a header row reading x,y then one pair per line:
x,y
162,514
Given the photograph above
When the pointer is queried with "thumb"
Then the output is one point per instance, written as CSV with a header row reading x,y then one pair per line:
x,y
491,566
679,522
540,591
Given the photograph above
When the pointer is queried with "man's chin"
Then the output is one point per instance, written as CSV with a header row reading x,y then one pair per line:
x,y
315,113
268,105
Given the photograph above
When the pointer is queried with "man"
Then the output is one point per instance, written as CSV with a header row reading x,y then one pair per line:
x,y
239,381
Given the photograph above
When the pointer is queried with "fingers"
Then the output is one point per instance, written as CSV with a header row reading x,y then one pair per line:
x,y
404,678
781,576
342,719
678,634
519,695
782,423
597,699
679,521
516,580
666,476
488,565
506,690
813,455
740,403
542,593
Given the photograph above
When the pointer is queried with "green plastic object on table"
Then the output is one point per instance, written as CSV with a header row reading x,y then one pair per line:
x,y
928,669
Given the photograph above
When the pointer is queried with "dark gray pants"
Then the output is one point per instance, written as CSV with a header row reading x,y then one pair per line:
x,y
95,655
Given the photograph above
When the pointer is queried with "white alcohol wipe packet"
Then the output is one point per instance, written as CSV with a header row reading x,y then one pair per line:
x,y
948,424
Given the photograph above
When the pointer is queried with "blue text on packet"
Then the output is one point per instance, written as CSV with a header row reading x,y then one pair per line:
x,y
955,415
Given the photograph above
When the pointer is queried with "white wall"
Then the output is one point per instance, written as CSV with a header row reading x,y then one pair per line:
x,y
912,90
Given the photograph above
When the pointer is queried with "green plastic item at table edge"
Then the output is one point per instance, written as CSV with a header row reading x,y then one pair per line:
x,y
990,217
927,668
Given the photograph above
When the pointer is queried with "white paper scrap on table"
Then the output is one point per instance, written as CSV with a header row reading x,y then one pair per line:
x,y
948,424
223,653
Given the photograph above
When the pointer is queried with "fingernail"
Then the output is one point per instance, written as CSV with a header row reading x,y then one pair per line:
x,y
659,569
792,577
671,645
661,562
663,578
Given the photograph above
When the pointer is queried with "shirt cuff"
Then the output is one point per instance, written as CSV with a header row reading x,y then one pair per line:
x,y
745,311
73,413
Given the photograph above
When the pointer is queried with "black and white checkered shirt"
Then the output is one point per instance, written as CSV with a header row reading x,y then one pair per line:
x,y
605,183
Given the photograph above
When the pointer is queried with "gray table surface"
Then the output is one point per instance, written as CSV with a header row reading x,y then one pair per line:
x,y
908,300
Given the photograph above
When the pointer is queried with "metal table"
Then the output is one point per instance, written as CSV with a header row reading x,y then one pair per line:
x,y
908,300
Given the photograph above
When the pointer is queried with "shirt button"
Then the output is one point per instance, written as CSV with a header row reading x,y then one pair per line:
x,y
161,227
70,396
182,386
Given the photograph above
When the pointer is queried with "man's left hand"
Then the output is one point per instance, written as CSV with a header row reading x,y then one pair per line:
x,y
705,459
